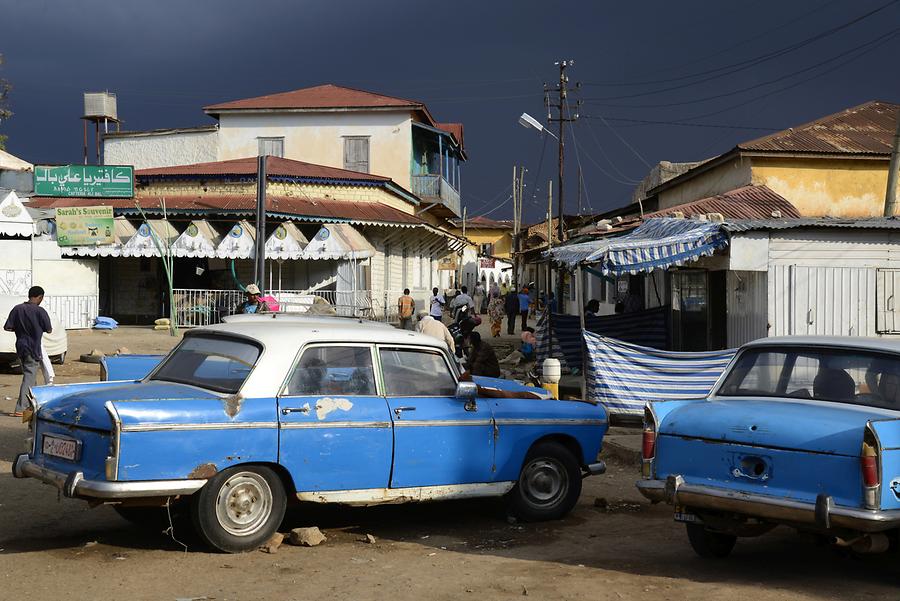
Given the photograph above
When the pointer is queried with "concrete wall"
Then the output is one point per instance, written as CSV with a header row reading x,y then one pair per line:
x,y
826,188
161,150
318,138
725,177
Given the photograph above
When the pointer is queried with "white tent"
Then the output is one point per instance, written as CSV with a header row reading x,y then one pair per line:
x,y
200,239
151,232
286,242
14,219
123,231
239,243
338,241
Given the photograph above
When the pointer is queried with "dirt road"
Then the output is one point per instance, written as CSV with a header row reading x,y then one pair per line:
x,y
54,548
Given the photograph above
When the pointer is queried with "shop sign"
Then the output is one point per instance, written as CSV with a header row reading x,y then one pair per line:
x,y
84,226
84,181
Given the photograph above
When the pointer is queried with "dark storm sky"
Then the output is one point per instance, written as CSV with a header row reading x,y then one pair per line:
x,y
764,64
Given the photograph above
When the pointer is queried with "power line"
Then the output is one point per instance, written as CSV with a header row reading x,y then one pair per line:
x,y
580,170
637,122
882,38
625,142
624,176
747,63
604,171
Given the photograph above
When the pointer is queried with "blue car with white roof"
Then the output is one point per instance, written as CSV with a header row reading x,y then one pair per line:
x,y
798,431
239,417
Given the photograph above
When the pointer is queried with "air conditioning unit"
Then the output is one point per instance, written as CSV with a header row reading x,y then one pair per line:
x,y
100,105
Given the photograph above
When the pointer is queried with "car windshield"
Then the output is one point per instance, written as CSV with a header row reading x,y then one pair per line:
x,y
839,375
213,362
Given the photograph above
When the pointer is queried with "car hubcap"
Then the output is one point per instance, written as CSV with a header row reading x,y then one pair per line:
x,y
544,482
244,504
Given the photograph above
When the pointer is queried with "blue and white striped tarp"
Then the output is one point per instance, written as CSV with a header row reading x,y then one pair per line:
x,y
623,377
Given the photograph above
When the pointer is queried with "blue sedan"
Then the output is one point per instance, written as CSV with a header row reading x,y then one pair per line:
x,y
241,415
799,431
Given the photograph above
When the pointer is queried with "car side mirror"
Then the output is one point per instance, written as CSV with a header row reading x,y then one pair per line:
x,y
466,391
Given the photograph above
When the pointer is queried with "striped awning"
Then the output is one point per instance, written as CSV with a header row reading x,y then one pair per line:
x,y
624,377
657,244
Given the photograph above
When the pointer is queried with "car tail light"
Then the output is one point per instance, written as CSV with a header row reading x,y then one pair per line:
x,y
648,444
869,466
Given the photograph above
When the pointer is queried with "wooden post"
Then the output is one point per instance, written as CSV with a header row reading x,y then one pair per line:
x,y
890,197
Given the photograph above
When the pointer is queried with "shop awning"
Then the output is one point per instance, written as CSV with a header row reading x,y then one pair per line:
x,y
200,239
14,219
338,241
123,231
153,234
656,244
239,243
286,242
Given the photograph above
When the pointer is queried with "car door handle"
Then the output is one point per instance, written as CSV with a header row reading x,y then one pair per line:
x,y
289,410
398,411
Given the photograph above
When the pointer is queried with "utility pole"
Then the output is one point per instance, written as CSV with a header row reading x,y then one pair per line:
x,y
890,197
549,263
563,116
462,253
259,271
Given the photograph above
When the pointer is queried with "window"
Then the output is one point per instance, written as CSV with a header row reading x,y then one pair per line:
x,y
487,249
409,372
333,370
840,375
273,147
356,153
212,362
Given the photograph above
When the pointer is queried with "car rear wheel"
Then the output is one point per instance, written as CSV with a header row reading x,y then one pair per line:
x,y
708,543
549,484
239,508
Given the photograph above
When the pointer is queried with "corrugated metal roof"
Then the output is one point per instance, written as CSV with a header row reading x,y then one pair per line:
x,y
748,225
747,202
296,208
275,167
864,129
324,96
455,130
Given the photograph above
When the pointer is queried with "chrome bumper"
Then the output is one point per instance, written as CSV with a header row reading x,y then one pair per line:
x,y
74,485
675,491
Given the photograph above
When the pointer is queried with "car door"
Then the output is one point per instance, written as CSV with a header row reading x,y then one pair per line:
x,y
335,428
438,438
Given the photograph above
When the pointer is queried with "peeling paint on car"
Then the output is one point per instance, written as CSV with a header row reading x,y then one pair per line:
x,y
329,405
204,471
233,404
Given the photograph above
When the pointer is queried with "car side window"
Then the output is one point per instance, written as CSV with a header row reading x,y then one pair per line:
x,y
333,370
413,372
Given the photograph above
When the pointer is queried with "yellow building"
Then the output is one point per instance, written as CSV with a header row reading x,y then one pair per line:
x,y
835,166
492,238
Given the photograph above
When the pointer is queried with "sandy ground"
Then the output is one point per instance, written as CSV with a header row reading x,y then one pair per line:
x,y
52,548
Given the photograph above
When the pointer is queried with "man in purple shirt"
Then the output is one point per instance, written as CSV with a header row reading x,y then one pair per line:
x,y
30,322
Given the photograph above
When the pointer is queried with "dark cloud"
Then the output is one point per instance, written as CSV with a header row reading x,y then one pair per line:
x,y
479,62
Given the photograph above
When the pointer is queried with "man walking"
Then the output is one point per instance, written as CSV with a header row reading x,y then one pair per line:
x,y
30,322
406,307
524,302
436,304
511,306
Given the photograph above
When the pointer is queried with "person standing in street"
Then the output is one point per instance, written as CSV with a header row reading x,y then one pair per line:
x,y
406,307
478,297
436,304
253,304
524,302
511,305
495,313
30,322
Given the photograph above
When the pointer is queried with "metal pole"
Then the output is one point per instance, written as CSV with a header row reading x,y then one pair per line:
x,y
515,237
84,121
549,271
259,274
890,197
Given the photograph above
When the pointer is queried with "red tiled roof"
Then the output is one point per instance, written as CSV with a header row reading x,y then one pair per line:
x,y
317,97
275,166
864,129
455,130
748,202
286,205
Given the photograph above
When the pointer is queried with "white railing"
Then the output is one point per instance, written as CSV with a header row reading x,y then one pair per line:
x,y
200,307
74,312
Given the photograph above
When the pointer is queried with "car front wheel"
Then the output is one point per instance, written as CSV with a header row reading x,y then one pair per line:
x,y
239,508
708,543
549,484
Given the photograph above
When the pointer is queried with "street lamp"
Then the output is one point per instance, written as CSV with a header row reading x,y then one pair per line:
x,y
529,122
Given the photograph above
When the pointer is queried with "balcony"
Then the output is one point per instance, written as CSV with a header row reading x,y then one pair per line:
x,y
433,188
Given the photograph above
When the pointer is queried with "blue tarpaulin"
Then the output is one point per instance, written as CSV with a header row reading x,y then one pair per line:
x,y
623,377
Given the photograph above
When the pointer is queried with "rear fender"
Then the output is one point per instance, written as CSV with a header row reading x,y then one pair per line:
x,y
661,409
888,434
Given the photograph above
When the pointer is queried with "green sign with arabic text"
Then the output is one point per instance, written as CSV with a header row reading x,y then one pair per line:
x,y
84,181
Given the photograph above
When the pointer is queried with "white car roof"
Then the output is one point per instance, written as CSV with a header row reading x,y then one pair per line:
x,y
889,345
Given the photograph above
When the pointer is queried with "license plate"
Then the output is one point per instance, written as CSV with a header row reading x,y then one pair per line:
x,y
681,515
58,446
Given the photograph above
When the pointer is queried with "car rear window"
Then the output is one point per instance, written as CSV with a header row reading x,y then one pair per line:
x,y
839,375
213,362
